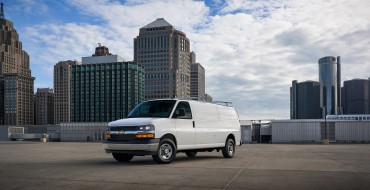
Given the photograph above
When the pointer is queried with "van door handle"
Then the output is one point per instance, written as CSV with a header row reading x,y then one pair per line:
x,y
193,124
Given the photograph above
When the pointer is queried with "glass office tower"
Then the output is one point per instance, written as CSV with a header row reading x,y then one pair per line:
x,y
329,78
105,92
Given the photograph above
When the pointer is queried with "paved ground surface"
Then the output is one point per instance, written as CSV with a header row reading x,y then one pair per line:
x,y
26,165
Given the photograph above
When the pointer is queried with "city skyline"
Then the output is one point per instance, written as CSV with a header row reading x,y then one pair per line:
x,y
250,50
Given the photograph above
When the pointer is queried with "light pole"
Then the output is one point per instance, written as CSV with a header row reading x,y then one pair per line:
x,y
326,139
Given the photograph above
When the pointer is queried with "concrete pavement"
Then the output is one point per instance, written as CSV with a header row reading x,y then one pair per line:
x,y
60,165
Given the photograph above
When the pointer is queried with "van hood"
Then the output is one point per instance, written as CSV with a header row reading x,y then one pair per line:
x,y
136,121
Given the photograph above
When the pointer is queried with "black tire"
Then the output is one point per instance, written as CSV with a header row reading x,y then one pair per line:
x,y
121,157
191,154
229,150
166,152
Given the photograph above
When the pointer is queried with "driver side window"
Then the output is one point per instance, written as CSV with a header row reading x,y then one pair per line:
x,y
182,111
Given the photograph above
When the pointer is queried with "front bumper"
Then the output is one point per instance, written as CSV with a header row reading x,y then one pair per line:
x,y
135,147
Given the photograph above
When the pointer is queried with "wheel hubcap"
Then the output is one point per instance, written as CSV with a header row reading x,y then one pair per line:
x,y
231,148
165,151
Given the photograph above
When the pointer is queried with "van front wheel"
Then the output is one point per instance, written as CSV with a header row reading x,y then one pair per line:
x,y
166,152
229,150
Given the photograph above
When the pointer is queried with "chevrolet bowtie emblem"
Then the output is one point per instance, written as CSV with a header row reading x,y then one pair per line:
x,y
121,132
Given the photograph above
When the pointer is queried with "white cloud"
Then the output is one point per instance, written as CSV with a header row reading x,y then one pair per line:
x,y
31,7
251,50
182,14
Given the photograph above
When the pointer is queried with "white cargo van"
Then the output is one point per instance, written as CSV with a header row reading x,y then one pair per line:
x,y
164,127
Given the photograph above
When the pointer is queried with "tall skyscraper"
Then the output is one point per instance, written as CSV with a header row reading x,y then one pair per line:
x,y
164,53
16,82
62,91
44,104
103,91
356,99
305,100
197,79
329,77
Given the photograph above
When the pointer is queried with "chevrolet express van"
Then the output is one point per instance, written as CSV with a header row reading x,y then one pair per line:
x,y
164,127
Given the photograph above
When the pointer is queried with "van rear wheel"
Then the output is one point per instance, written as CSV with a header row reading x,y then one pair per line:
x,y
229,150
166,152
121,157
191,154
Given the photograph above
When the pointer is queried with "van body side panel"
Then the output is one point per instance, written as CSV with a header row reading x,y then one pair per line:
x,y
185,134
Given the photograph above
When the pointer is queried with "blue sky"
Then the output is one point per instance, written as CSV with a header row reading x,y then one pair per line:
x,y
251,50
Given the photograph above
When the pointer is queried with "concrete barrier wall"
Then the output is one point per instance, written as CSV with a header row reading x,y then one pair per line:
x,y
352,131
82,132
300,131
36,129
282,131
295,131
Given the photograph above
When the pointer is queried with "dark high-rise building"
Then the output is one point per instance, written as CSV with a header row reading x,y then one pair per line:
x,y
103,91
164,53
16,82
329,77
293,100
44,106
356,96
305,100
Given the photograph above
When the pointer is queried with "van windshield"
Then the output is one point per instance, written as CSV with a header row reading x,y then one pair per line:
x,y
157,108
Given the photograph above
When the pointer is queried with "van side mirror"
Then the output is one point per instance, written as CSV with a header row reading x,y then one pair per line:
x,y
180,112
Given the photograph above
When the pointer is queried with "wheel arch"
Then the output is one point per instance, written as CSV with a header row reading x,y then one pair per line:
x,y
231,136
170,136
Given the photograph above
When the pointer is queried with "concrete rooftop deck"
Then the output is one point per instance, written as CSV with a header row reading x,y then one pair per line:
x,y
34,165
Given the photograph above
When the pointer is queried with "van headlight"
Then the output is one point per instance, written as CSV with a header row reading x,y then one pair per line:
x,y
146,128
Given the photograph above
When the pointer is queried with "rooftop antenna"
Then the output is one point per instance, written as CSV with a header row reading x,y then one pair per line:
x,y
2,16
